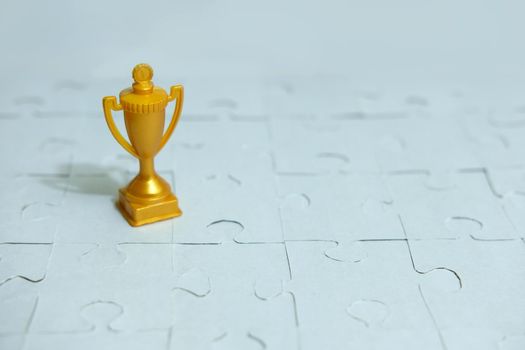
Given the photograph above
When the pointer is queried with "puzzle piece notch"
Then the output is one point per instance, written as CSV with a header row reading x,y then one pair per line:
x,y
25,261
228,230
216,338
195,282
222,231
464,226
438,279
347,251
38,211
233,340
335,162
510,116
100,314
441,280
103,256
371,313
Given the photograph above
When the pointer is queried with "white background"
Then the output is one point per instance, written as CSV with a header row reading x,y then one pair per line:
x,y
469,42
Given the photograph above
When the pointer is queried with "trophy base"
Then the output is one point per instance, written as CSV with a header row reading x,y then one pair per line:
x,y
142,213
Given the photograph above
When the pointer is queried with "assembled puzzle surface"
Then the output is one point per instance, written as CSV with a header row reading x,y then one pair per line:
x,y
315,217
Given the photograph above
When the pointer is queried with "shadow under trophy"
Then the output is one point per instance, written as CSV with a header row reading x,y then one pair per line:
x,y
148,197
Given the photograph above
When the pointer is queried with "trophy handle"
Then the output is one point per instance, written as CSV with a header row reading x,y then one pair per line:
x,y
176,93
110,103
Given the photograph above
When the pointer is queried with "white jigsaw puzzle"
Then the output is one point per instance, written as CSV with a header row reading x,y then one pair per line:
x,y
346,234
320,211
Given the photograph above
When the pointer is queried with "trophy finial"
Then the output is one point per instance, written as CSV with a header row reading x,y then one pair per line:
x,y
142,75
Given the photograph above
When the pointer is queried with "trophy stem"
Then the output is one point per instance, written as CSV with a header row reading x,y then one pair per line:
x,y
147,169
148,197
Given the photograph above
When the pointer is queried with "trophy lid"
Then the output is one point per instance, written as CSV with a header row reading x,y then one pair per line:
x,y
143,96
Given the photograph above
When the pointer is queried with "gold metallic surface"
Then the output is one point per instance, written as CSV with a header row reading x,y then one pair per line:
x,y
148,197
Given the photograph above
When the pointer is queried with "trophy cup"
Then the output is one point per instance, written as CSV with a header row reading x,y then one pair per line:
x,y
148,197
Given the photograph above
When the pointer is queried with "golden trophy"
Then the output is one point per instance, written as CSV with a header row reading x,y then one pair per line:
x,y
148,197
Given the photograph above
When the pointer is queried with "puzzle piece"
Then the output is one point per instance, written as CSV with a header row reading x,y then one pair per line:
x,y
466,208
231,305
100,315
40,153
493,146
137,277
343,208
30,208
292,192
203,147
416,144
230,101
238,173
296,99
486,269
324,147
205,208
